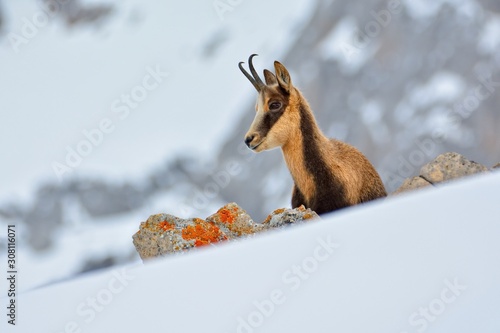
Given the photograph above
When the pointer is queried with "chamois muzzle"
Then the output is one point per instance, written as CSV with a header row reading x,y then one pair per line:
x,y
249,139
253,141
254,78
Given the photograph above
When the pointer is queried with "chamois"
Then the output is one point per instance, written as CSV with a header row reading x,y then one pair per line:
x,y
328,174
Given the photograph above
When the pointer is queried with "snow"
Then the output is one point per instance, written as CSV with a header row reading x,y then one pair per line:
x,y
429,8
74,246
442,87
490,40
343,44
425,261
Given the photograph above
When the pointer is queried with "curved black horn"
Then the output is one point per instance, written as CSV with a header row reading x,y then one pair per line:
x,y
249,77
254,72
255,79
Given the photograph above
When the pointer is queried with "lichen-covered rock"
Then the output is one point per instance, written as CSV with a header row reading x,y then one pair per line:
x,y
234,221
450,166
163,234
284,217
411,184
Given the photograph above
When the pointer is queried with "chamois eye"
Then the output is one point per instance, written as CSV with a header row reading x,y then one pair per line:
x,y
274,106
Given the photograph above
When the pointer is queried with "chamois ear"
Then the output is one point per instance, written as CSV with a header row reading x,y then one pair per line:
x,y
270,77
283,76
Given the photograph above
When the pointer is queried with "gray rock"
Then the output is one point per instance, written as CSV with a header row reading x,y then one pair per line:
x,y
285,217
411,184
450,166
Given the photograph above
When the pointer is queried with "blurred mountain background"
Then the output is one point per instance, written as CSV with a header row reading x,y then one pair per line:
x,y
401,80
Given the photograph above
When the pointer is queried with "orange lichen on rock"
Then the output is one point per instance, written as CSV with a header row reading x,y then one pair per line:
x,y
166,226
203,233
234,221
279,211
226,216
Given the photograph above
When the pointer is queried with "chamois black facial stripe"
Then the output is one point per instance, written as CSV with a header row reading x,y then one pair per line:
x,y
330,193
272,117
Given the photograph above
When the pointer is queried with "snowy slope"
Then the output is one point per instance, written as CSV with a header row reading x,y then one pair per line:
x,y
427,261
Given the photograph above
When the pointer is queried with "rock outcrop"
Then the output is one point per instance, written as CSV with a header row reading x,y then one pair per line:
x,y
450,166
164,234
444,168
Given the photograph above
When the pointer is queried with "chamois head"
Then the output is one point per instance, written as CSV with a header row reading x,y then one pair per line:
x,y
276,118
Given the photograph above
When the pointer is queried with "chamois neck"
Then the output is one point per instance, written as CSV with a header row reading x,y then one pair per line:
x,y
308,130
302,152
